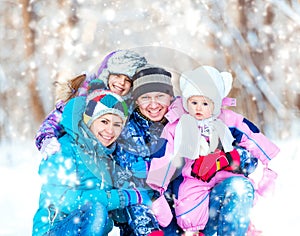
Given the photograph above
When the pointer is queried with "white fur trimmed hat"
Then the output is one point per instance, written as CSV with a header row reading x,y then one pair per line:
x,y
124,62
206,81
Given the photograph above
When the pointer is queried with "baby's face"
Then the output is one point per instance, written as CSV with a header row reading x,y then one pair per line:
x,y
200,107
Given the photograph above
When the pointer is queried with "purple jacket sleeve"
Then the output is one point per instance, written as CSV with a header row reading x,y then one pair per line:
x,y
50,126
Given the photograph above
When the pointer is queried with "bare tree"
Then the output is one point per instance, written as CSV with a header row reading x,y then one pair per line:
x,y
255,40
29,36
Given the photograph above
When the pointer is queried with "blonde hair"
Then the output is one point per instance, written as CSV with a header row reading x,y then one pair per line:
x,y
69,89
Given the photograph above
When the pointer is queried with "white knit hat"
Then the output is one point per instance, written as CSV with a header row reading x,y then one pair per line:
x,y
206,81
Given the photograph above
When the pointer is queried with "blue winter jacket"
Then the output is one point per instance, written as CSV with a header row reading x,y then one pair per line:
x,y
139,142
68,178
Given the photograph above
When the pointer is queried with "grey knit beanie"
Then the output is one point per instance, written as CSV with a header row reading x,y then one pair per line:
x,y
151,79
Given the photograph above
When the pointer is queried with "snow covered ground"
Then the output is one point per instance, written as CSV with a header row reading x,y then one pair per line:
x,y
278,214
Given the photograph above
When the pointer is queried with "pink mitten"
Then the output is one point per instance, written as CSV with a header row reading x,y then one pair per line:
x,y
267,183
162,211
252,231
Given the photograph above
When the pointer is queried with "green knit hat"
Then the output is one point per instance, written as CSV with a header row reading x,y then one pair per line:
x,y
101,102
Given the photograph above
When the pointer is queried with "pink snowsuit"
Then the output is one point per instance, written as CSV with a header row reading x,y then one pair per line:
x,y
192,205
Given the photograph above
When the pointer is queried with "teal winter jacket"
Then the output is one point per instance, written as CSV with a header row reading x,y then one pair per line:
x,y
78,174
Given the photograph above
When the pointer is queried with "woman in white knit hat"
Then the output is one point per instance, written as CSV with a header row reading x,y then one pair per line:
x,y
215,195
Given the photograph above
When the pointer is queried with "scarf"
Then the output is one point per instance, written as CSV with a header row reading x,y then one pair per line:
x,y
190,135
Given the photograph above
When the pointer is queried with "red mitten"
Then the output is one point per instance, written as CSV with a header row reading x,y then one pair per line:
x,y
157,233
205,167
234,160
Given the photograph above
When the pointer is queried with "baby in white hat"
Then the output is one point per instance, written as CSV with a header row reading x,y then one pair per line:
x,y
205,138
203,90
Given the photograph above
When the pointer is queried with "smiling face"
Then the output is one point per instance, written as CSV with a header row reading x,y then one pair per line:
x,y
107,128
154,105
119,84
200,107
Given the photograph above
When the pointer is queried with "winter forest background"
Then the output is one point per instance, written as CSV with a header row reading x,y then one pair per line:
x,y
47,41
